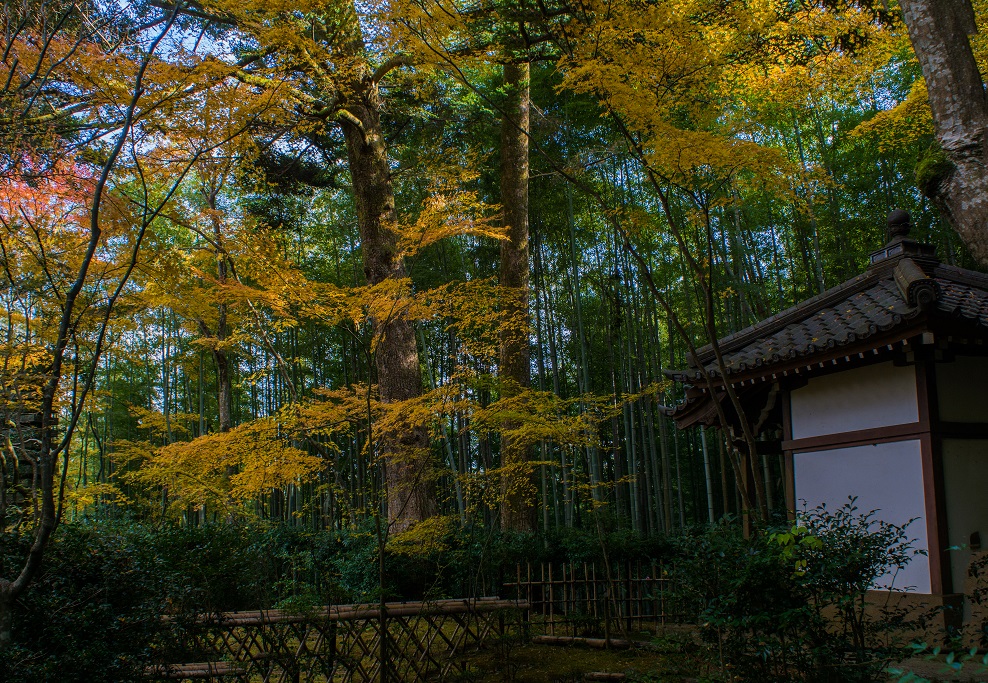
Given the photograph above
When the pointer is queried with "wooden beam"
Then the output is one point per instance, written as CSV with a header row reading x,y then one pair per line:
x,y
860,437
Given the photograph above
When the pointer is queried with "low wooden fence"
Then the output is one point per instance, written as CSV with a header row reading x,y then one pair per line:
x,y
407,641
590,600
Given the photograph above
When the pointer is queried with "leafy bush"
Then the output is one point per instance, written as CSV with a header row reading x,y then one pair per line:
x,y
789,603
93,612
785,605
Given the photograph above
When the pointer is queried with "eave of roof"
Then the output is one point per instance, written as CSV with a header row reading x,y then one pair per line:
x,y
903,290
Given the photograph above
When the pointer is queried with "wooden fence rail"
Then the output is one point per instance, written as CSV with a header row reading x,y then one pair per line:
x,y
591,600
408,641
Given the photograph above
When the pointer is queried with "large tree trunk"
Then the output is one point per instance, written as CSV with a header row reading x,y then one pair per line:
x,y
939,31
224,385
517,486
409,473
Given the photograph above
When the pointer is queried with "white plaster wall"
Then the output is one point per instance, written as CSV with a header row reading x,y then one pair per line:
x,y
873,396
962,387
887,477
965,483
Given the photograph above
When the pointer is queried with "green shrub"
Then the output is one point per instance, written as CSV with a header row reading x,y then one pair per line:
x,y
91,615
788,604
94,613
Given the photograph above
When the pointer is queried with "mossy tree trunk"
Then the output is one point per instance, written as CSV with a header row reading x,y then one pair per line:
x,y
409,475
517,484
939,31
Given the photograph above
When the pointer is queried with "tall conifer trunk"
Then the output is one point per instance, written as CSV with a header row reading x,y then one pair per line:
x,y
517,508
409,475
939,31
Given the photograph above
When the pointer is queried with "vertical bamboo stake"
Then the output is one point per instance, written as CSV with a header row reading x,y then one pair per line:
x,y
552,604
628,599
593,575
517,581
566,619
586,589
641,594
528,583
658,611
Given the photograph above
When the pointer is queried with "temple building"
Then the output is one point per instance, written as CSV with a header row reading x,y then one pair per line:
x,y
876,388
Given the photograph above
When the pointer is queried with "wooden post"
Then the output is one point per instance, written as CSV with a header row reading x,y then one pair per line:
x,y
333,650
566,619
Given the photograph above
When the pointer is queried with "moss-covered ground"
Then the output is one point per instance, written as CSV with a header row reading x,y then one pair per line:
x,y
665,661
529,663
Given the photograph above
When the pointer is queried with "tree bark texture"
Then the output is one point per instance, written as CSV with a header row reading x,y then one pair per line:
x,y
939,31
517,484
409,476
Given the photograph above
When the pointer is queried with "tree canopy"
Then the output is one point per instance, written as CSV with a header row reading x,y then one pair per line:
x,y
340,264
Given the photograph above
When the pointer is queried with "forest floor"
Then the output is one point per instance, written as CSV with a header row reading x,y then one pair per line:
x,y
937,671
531,663
554,664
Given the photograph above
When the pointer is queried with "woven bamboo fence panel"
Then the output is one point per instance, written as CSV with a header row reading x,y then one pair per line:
x,y
589,600
409,641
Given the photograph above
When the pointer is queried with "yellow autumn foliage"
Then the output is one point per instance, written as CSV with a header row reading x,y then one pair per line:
x,y
696,83
911,120
668,72
448,212
87,496
228,468
424,539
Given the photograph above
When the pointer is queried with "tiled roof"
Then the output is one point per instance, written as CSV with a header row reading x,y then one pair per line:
x,y
963,294
878,301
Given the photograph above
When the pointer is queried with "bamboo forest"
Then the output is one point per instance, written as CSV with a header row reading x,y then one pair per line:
x,y
389,340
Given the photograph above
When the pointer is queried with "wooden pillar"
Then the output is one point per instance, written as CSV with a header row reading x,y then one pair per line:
x,y
931,449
